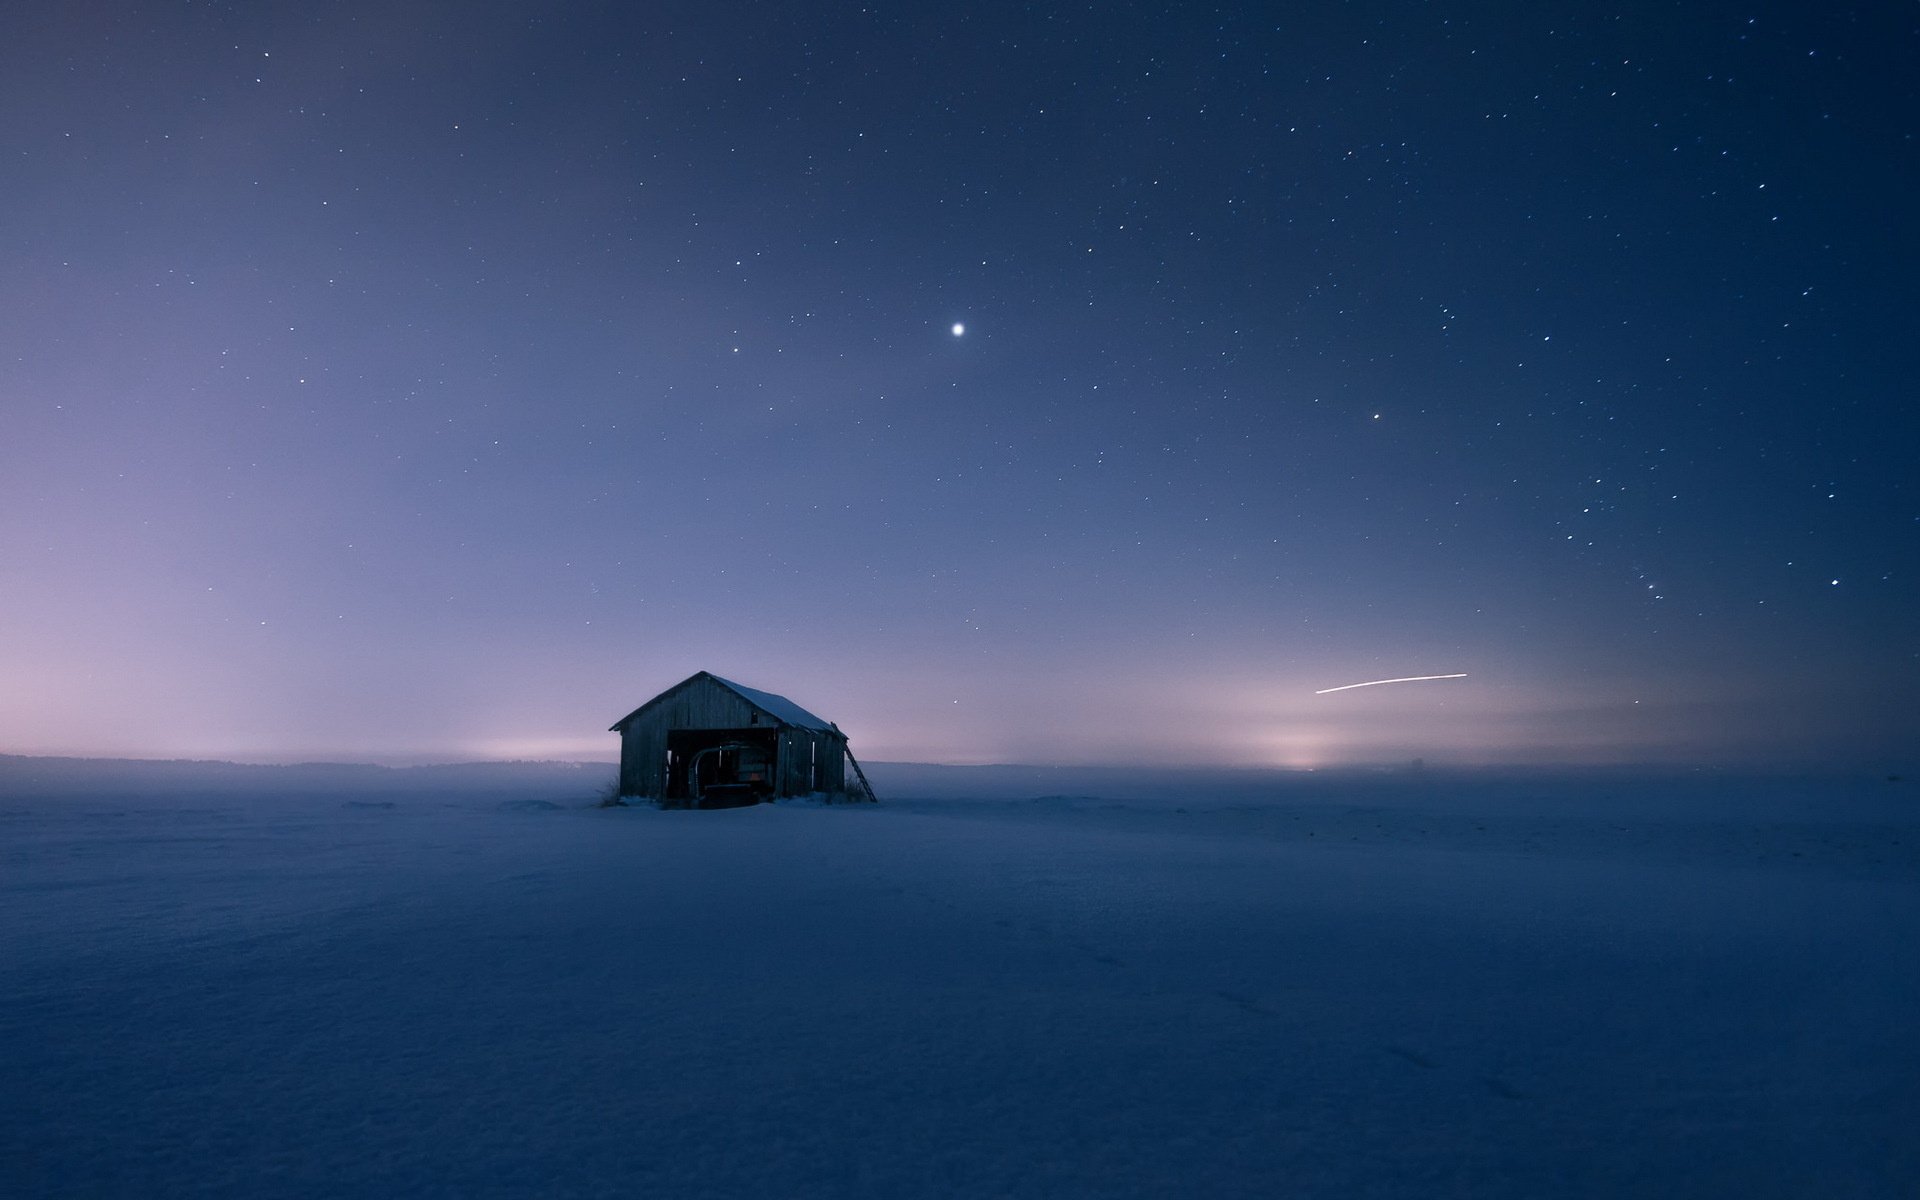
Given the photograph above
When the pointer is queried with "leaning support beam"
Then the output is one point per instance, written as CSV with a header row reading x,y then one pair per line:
x,y
862,777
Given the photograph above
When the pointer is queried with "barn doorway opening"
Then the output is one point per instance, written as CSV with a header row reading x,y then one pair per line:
x,y
720,768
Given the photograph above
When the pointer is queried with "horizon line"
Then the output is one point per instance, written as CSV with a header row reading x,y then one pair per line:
x,y
1403,763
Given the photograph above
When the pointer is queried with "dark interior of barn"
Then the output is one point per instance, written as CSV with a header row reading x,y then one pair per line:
x,y
720,768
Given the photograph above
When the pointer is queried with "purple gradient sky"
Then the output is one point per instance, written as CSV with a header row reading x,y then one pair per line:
x,y
440,381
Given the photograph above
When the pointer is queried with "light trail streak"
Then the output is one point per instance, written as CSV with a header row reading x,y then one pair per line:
x,y
1377,682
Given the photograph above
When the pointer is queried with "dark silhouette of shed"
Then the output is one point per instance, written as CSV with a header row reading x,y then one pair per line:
x,y
707,742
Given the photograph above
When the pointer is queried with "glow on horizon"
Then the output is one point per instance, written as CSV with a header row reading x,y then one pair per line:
x,y
1345,687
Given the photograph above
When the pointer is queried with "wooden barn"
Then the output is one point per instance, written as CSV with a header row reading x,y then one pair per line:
x,y
707,742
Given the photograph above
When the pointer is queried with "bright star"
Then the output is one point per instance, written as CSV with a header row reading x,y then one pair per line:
x,y
958,329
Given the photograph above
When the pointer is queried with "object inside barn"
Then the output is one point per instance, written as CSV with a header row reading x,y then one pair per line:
x,y
708,742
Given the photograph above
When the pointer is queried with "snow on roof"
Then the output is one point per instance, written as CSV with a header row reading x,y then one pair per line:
x,y
777,706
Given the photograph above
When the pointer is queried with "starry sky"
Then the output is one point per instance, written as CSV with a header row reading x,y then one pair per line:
x,y
1005,382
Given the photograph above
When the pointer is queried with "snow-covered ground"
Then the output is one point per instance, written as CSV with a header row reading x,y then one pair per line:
x,y
1347,987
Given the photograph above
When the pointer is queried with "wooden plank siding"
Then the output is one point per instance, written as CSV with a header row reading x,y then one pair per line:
x,y
791,770
832,776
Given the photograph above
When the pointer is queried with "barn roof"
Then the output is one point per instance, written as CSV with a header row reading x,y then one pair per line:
x,y
779,708
776,706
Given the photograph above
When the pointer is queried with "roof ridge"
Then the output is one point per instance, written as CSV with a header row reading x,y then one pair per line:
x,y
773,704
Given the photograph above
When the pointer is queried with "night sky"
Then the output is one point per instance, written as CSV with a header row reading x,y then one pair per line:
x,y
1003,382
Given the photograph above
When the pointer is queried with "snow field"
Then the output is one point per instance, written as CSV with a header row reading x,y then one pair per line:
x,y
1391,991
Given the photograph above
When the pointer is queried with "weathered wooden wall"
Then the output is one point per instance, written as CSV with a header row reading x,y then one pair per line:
x,y
791,773
833,763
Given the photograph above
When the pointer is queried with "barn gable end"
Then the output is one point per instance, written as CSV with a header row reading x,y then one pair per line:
x,y
708,740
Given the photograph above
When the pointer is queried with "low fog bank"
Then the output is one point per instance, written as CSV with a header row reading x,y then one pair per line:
x,y
24,776
1348,784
